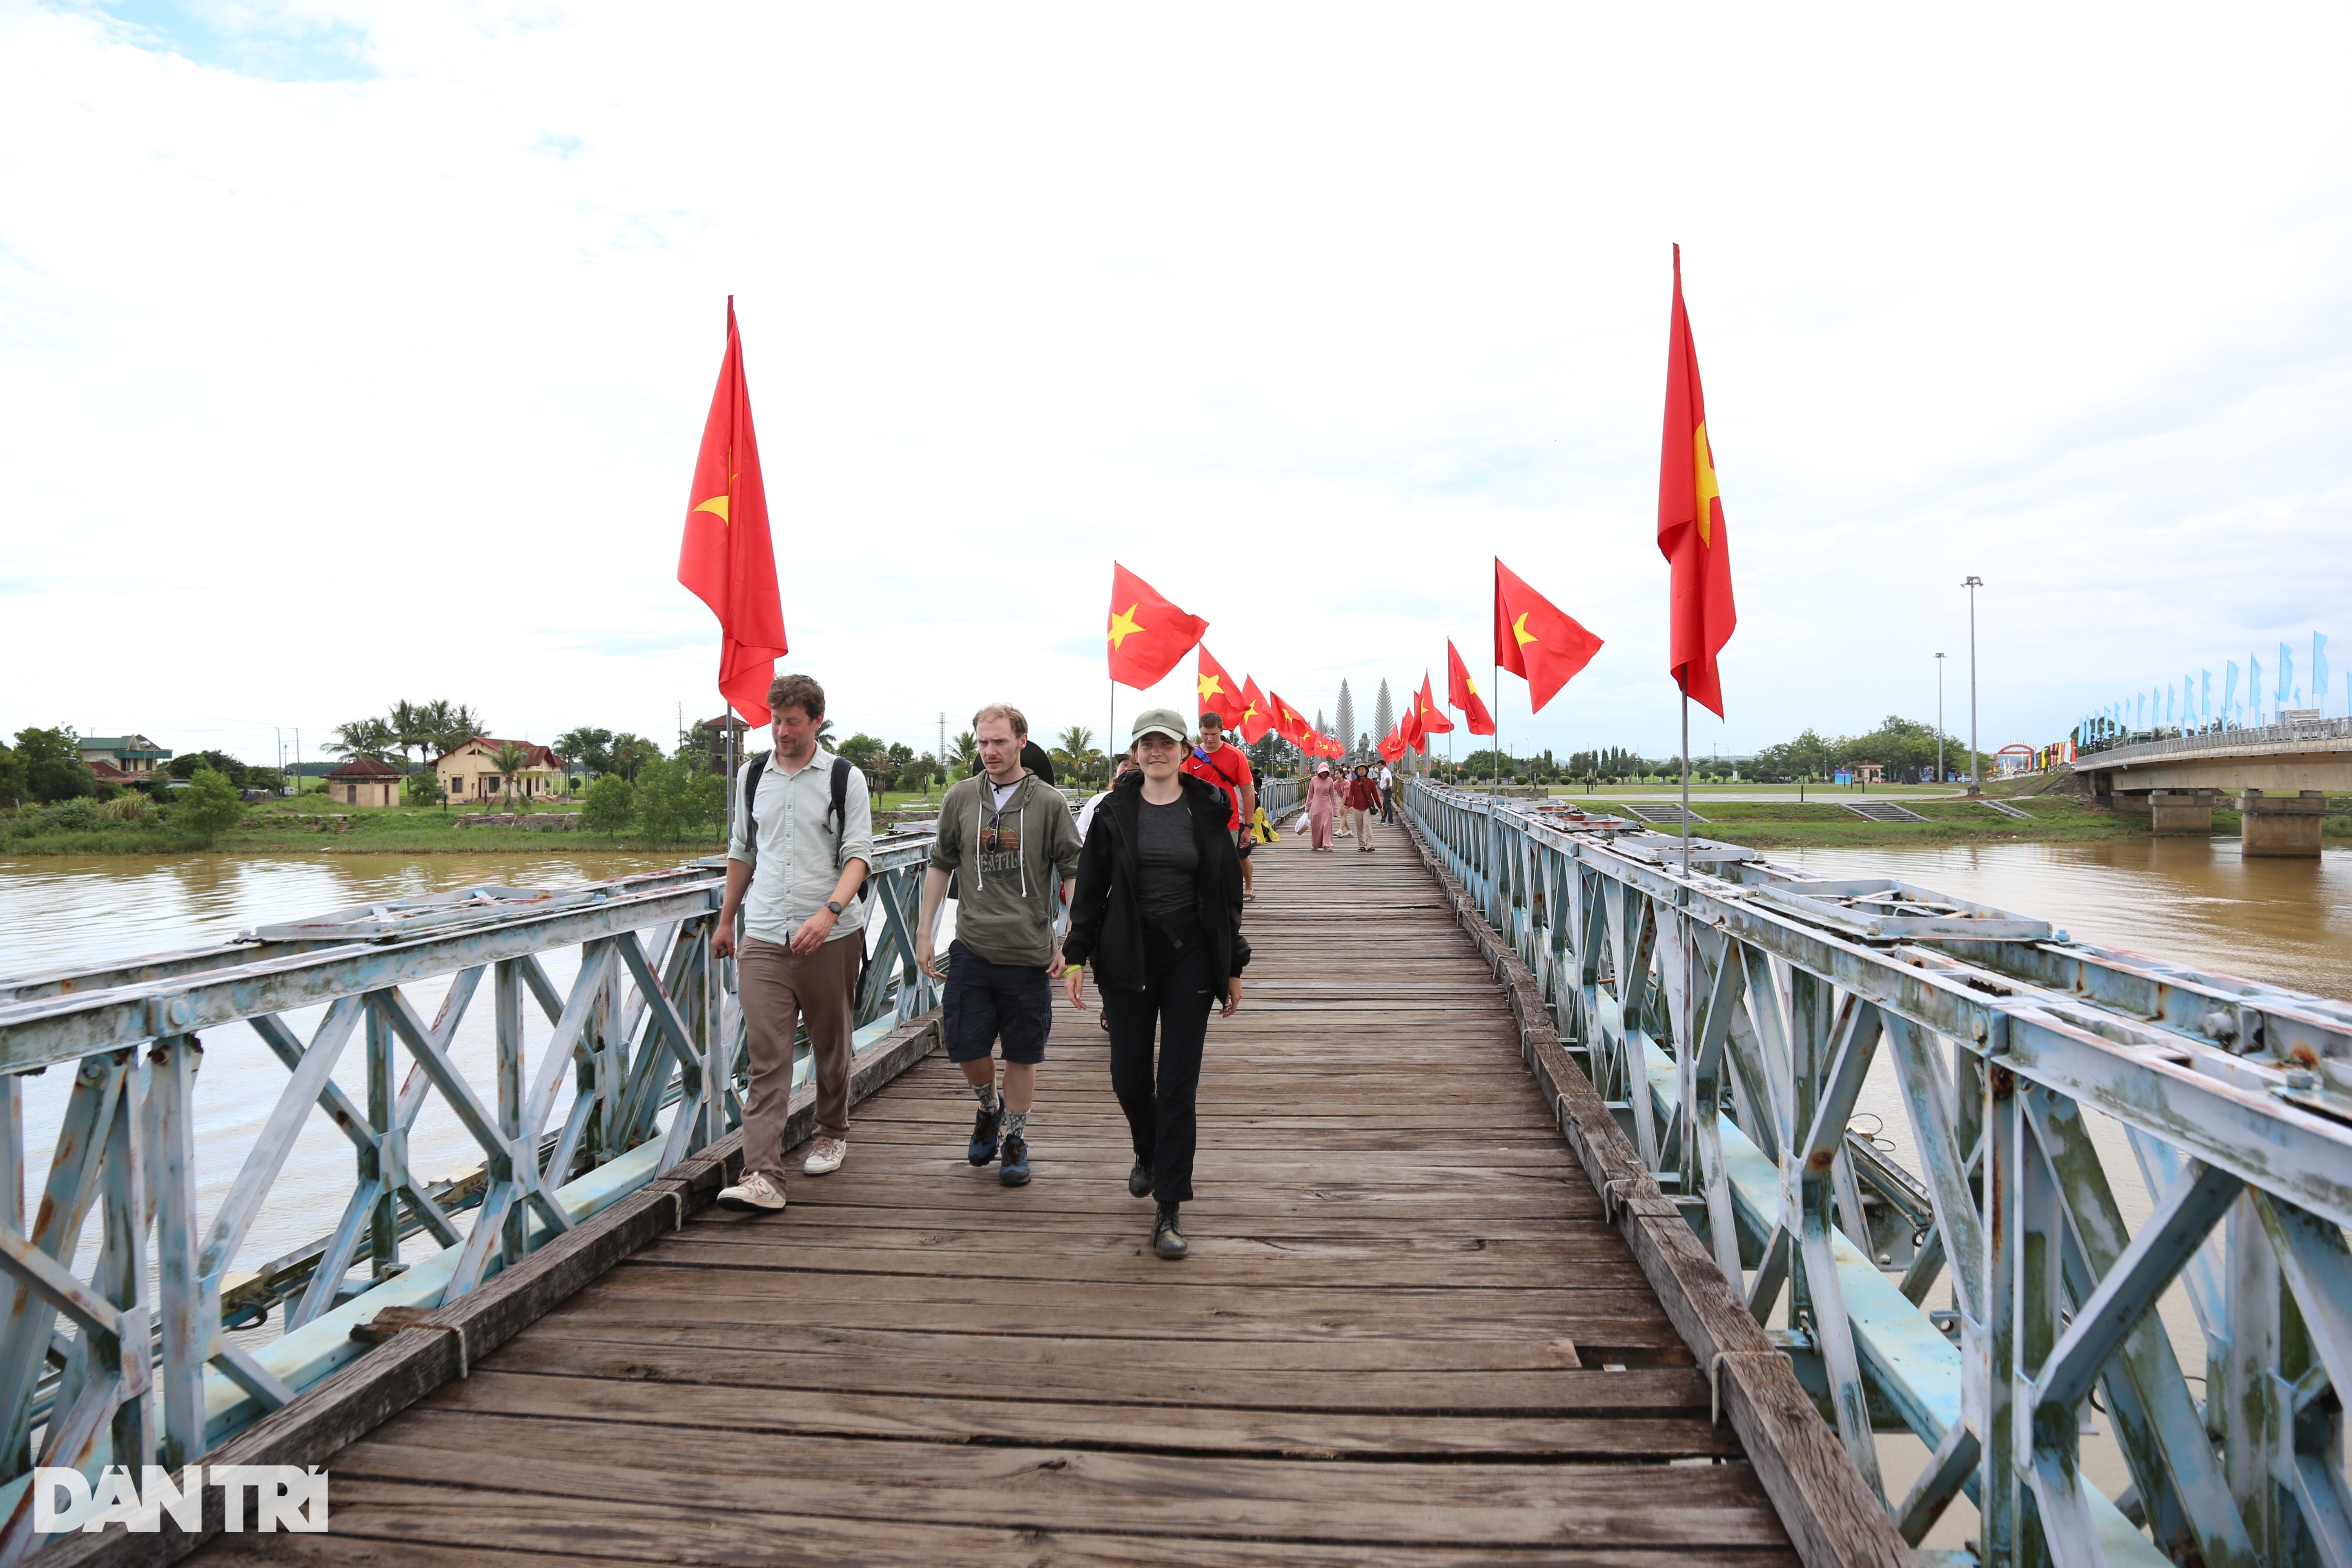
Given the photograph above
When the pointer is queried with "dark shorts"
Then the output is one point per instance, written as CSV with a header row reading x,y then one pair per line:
x,y
984,1002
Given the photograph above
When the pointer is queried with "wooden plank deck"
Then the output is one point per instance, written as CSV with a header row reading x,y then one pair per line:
x,y
1405,1334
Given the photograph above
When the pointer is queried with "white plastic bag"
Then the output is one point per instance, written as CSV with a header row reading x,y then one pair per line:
x,y
1299,826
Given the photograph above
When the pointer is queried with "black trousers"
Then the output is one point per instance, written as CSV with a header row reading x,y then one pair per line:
x,y
1161,1106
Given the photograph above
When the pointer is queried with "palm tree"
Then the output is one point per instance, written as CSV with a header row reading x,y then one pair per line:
x,y
630,752
964,754
824,733
370,738
408,723
1077,743
512,759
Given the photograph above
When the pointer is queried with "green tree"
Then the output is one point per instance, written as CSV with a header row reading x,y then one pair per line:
x,y
12,777
711,801
52,765
590,747
867,755
447,725
187,764
370,738
511,758
630,752
667,806
609,806
964,754
423,788
209,806
406,721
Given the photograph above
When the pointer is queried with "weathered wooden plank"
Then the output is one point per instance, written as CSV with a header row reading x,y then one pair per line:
x,y
1080,1490
706,1407
391,1523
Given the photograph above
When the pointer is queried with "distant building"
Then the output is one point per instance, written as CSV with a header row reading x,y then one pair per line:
x,y
132,756
469,773
363,781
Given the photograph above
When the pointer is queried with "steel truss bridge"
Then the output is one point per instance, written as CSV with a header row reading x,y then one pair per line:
x,y
1717,1024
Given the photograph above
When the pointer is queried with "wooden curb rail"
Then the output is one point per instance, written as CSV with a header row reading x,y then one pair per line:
x,y
1831,1516
446,1343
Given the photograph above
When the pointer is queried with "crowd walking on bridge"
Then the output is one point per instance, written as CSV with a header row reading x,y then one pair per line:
x,y
1154,874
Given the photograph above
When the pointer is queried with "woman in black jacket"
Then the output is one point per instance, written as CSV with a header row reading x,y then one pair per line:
x,y
1158,912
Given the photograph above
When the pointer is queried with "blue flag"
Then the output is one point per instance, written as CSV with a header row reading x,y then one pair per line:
x,y
2319,666
2205,699
2286,674
2229,687
2253,687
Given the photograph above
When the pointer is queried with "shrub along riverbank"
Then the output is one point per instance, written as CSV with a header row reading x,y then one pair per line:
x,y
313,826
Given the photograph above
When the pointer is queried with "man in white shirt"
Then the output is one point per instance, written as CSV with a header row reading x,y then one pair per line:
x,y
803,844
1387,794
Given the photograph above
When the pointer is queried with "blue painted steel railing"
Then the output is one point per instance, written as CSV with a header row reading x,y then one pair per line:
x,y
646,1041
1731,1015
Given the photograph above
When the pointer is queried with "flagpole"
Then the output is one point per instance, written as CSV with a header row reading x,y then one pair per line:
x,y
1495,685
1685,784
1112,735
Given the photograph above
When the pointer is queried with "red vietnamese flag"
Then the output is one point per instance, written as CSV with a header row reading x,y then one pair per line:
x,y
1255,717
1535,640
1392,747
1148,634
726,558
1427,714
1288,723
1408,728
1461,692
1214,691
1690,533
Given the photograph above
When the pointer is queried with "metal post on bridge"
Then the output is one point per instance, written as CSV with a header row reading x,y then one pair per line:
x,y
1976,782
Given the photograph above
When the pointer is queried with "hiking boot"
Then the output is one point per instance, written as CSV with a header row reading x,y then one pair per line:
x,y
983,1134
1139,1181
826,1156
1015,1172
1166,1239
755,1194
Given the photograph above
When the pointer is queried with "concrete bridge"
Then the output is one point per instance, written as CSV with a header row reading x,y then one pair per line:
x,y
2277,777
1532,1231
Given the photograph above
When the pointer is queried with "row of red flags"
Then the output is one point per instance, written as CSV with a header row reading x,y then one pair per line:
x,y
728,561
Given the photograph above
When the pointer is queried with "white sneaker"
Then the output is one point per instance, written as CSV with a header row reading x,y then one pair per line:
x,y
755,1194
826,1156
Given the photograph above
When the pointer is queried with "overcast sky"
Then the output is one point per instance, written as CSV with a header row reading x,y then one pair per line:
x,y
352,352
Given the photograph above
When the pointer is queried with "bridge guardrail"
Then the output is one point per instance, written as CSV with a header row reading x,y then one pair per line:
x,y
2261,737
146,1370
1730,1014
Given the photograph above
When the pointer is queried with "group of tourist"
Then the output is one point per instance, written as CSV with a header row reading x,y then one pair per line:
x,y
1154,871
1359,798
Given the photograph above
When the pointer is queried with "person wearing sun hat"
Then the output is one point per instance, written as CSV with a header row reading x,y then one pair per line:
x,y
1158,914
1322,805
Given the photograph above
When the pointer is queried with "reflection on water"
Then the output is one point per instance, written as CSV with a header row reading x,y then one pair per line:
x,y
2190,901
58,912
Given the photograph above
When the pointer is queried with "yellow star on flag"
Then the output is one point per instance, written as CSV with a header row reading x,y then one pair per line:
x,y
717,505
1702,467
1124,625
1471,686
1520,630
1211,687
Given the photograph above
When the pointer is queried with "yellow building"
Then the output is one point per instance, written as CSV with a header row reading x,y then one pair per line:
x,y
363,781
469,774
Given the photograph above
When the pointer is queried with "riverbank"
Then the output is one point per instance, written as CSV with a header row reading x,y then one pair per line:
x,y
313,827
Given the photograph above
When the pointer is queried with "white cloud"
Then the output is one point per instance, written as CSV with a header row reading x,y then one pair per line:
x,y
317,393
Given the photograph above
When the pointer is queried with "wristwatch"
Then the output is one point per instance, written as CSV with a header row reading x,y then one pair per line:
x,y
833,904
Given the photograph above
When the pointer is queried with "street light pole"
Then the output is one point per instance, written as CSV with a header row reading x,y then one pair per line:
x,y
1940,719
1972,582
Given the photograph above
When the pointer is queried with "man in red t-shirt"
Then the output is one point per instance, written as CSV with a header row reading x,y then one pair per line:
x,y
1224,766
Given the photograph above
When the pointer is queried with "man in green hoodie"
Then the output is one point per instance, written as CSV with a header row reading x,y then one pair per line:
x,y
1006,832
